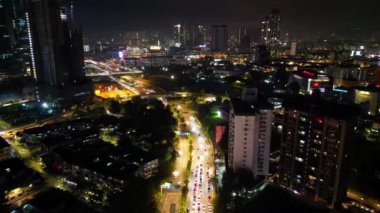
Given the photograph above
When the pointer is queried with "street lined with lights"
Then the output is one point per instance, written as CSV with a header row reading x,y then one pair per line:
x,y
201,188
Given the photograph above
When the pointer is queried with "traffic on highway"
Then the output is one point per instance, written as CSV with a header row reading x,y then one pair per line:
x,y
201,189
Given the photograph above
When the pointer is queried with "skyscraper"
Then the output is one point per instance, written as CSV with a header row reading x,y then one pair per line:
x,y
244,40
219,37
270,31
197,36
316,138
250,128
181,35
73,44
57,50
47,40
14,42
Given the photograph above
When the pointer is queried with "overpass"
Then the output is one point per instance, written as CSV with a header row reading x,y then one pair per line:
x,y
108,73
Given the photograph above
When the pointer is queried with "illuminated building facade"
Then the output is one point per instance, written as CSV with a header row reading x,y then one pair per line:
x,y
370,98
314,157
353,76
250,128
14,42
270,31
181,35
56,42
309,80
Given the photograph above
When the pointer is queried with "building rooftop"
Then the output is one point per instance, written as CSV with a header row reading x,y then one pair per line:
x,y
320,106
240,107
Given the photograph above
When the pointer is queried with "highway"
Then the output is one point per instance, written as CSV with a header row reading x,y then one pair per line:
x,y
109,73
201,186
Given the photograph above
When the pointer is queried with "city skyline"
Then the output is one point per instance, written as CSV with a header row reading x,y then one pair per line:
x,y
197,106
299,18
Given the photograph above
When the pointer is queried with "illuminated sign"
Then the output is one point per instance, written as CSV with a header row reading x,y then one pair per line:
x,y
155,47
340,90
305,72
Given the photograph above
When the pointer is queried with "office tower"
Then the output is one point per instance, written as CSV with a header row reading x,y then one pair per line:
x,y
47,39
181,35
73,52
244,40
250,127
14,43
56,41
219,37
270,31
316,138
177,35
198,36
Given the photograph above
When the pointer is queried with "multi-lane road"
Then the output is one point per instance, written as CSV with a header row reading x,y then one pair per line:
x,y
201,186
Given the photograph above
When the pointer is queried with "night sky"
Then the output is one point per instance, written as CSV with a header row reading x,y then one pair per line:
x,y
299,17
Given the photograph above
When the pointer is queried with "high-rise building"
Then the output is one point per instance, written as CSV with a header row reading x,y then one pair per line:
x,y
14,42
57,43
250,127
314,157
270,31
198,36
47,39
219,37
73,52
181,35
244,40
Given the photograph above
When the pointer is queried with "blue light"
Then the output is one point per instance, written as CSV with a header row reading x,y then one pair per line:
x,y
340,90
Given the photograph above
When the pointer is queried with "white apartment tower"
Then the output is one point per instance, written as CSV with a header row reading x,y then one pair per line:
x,y
250,127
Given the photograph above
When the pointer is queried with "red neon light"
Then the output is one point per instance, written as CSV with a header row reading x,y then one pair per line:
x,y
308,73
319,120
316,85
377,85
